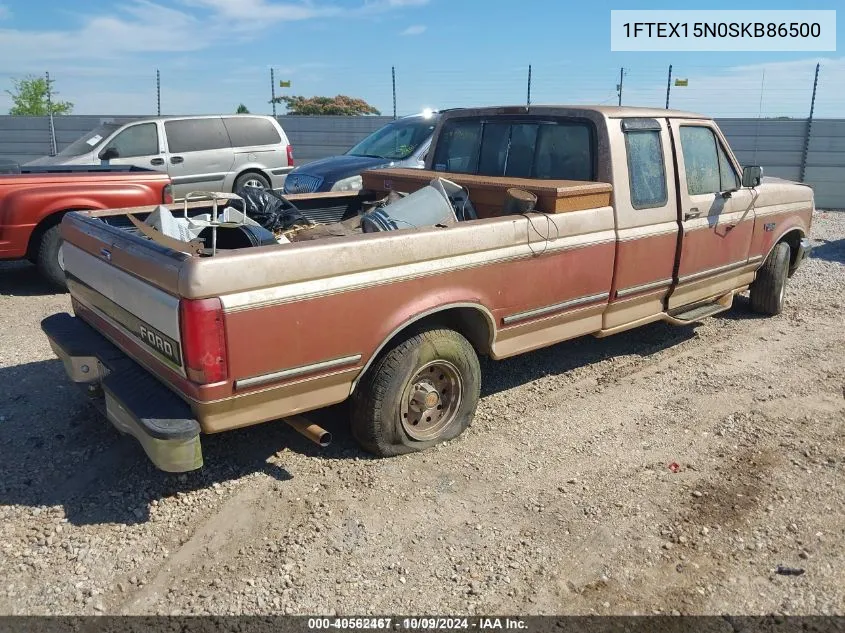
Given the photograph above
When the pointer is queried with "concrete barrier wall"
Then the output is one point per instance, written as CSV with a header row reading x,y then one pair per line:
x,y
778,145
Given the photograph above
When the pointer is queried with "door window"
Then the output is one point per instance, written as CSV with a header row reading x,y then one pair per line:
x,y
138,140
646,170
249,131
195,135
706,164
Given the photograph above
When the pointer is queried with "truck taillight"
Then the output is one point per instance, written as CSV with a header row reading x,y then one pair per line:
x,y
167,194
290,155
203,340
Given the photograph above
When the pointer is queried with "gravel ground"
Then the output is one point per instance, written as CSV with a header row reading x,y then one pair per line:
x,y
559,499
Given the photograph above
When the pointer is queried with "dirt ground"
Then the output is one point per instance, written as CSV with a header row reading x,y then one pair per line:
x,y
559,499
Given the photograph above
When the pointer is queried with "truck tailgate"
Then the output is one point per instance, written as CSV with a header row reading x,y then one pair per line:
x,y
142,305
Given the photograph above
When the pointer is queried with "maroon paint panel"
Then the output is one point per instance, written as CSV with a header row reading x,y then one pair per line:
x,y
715,246
763,240
271,338
644,260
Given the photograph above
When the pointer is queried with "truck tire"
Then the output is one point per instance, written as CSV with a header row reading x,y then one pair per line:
x,y
49,260
421,392
769,288
251,179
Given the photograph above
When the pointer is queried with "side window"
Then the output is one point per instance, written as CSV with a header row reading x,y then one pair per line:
x,y
249,131
646,169
196,135
701,162
138,140
457,149
729,178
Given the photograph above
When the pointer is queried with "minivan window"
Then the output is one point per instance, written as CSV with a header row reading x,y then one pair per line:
x,y
137,140
646,170
706,165
195,135
88,142
554,149
249,131
395,141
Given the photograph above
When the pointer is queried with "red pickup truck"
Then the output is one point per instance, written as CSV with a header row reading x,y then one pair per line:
x,y
33,201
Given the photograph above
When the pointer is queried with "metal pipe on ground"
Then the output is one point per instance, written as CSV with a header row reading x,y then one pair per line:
x,y
313,432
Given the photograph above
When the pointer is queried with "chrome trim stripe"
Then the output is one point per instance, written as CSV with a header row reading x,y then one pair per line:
x,y
719,269
630,290
293,372
298,291
557,307
672,231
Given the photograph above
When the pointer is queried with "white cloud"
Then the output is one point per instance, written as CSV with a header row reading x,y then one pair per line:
x,y
415,29
259,12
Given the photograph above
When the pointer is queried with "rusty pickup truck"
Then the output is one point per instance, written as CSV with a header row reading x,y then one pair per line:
x,y
33,201
633,216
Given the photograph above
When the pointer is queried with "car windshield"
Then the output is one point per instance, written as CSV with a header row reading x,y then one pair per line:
x,y
88,142
395,141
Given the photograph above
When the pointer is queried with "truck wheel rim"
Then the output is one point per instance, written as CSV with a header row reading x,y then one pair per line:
x,y
61,257
431,400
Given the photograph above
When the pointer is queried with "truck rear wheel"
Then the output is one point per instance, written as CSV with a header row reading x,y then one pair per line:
x,y
49,257
421,392
769,288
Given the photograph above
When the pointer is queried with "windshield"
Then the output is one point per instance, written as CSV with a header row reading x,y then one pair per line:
x,y
88,142
397,140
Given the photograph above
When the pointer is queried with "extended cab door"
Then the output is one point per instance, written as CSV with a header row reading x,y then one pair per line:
x,y
646,219
199,154
716,215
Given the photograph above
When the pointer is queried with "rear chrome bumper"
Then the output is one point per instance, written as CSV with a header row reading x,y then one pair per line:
x,y
132,399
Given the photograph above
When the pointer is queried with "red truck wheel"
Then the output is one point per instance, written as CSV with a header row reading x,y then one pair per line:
x,y
421,392
48,258
769,288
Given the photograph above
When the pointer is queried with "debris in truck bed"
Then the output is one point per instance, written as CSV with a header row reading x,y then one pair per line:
x,y
270,209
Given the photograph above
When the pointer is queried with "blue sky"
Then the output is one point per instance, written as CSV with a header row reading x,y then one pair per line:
x,y
215,54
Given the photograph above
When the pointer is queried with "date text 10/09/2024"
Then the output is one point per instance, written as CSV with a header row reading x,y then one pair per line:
x,y
722,29
417,623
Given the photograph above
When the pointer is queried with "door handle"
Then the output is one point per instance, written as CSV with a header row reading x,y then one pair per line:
x,y
692,213
157,161
176,160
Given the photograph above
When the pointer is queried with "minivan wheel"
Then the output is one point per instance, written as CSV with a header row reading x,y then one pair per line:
x,y
251,179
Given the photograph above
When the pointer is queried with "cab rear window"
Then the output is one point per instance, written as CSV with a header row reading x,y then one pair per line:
x,y
555,149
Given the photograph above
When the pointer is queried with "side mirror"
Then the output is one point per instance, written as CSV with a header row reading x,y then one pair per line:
x,y
109,153
752,175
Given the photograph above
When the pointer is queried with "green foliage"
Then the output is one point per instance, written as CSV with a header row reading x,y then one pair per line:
x,y
242,109
30,98
339,105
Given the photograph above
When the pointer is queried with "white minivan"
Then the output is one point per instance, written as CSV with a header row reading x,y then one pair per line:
x,y
200,153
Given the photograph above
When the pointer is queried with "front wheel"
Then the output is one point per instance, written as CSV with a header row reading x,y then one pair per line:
x,y
769,288
49,259
421,392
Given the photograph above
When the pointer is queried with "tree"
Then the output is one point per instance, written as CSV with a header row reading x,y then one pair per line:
x,y
30,98
341,104
242,109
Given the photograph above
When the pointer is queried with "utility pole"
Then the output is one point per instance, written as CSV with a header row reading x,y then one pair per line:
x,y
809,125
529,87
53,149
668,86
619,86
393,78
273,90
158,91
